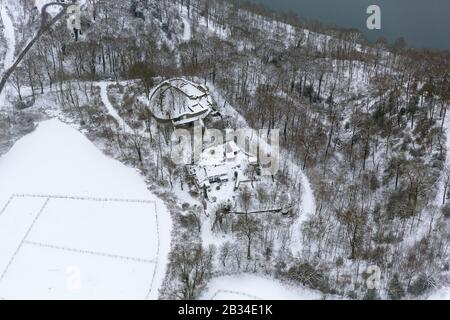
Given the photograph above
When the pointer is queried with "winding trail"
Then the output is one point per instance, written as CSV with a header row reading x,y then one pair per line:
x,y
443,293
10,37
187,34
45,26
441,184
104,94
307,208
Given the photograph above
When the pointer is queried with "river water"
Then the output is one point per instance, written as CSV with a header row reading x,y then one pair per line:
x,y
422,23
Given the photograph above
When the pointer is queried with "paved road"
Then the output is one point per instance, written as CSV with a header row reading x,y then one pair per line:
x,y
45,26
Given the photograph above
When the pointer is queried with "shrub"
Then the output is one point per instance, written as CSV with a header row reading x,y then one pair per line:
x,y
446,211
420,286
308,275
395,288
371,294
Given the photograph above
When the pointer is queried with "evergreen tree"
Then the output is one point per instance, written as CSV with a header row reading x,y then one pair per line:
x,y
395,289
371,294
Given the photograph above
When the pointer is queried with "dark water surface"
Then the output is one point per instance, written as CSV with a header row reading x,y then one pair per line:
x,y
422,23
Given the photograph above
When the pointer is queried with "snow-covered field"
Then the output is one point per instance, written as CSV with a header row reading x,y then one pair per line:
x,y
251,287
75,224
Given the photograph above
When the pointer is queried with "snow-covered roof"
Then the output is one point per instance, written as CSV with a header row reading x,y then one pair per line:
x,y
216,171
193,92
190,89
201,176
232,147
188,119
196,108
252,160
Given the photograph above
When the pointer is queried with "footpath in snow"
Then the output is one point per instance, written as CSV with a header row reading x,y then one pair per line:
x,y
187,33
86,223
111,110
443,293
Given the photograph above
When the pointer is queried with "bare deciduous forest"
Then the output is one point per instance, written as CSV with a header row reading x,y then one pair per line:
x,y
365,122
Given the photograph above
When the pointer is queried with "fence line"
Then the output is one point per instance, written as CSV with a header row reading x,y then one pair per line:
x,y
101,254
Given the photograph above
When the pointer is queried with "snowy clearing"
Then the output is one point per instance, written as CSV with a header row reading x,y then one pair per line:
x,y
250,287
50,276
101,220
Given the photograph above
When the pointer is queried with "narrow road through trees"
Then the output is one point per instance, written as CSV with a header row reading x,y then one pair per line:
x,y
45,26
10,38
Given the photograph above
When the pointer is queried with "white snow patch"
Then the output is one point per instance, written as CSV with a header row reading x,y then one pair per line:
x,y
45,273
251,287
441,294
58,160
64,220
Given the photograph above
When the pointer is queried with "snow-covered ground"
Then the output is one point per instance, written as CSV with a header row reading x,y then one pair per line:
x,y
251,287
75,224
441,294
